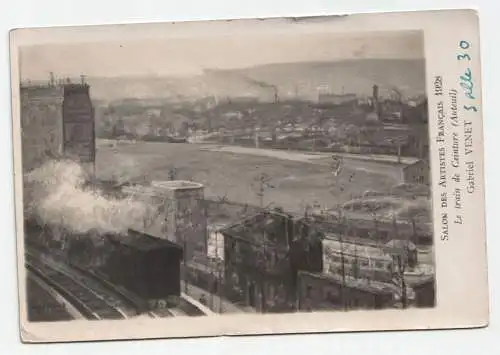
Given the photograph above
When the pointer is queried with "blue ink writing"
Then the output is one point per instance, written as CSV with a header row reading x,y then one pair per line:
x,y
467,84
466,80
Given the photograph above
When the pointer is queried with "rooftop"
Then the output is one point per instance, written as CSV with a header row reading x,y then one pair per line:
x,y
265,227
142,241
420,281
351,249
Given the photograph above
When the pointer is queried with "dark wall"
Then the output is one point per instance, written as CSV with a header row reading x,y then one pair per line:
x,y
425,295
162,273
78,122
151,274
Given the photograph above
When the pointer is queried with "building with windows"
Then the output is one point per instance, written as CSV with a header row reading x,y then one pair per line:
x,y
262,256
357,260
57,121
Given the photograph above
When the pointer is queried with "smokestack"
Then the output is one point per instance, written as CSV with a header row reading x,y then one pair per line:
x,y
52,79
376,106
375,93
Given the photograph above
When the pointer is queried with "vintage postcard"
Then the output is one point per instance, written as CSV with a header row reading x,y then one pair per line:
x,y
265,176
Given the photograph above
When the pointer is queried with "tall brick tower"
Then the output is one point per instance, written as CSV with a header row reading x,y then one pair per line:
x,y
41,124
185,221
57,121
79,126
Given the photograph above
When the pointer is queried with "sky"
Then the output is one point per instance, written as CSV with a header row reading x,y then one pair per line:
x,y
190,56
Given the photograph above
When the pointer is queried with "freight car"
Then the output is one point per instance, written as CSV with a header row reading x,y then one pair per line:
x,y
145,265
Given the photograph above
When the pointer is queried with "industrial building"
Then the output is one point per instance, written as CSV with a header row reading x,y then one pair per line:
x,y
41,124
57,121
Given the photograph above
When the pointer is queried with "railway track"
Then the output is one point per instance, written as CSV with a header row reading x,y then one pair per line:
x,y
110,300
92,305
124,299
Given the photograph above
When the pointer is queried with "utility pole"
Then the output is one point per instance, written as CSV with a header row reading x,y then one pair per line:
x,y
264,183
257,129
401,270
219,286
342,258
52,79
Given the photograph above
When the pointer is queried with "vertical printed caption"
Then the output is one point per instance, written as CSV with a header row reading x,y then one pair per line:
x,y
457,108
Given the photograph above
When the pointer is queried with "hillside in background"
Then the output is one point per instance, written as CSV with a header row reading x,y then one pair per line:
x,y
292,80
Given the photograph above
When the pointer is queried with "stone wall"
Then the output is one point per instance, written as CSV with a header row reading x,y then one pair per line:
x,y
41,125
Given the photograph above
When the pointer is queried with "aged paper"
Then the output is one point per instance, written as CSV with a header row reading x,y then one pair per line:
x,y
285,175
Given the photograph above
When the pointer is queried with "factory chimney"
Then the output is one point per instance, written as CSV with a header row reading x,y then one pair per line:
x,y
375,93
52,79
376,105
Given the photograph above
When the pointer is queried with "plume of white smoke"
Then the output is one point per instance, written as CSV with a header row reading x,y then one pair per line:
x,y
56,195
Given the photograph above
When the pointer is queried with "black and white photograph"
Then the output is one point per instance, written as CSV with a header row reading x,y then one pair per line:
x,y
226,174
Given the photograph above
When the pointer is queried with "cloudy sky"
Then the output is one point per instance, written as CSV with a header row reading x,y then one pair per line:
x,y
189,56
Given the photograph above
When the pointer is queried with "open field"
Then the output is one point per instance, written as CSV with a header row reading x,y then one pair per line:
x,y
233,174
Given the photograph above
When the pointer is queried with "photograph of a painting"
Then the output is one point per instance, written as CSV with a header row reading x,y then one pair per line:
x,y
219,174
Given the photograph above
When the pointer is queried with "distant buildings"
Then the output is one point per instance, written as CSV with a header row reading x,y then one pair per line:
x,y
417,173
325,99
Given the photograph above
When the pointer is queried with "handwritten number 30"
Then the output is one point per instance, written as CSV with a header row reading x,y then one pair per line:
x,y
464,45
